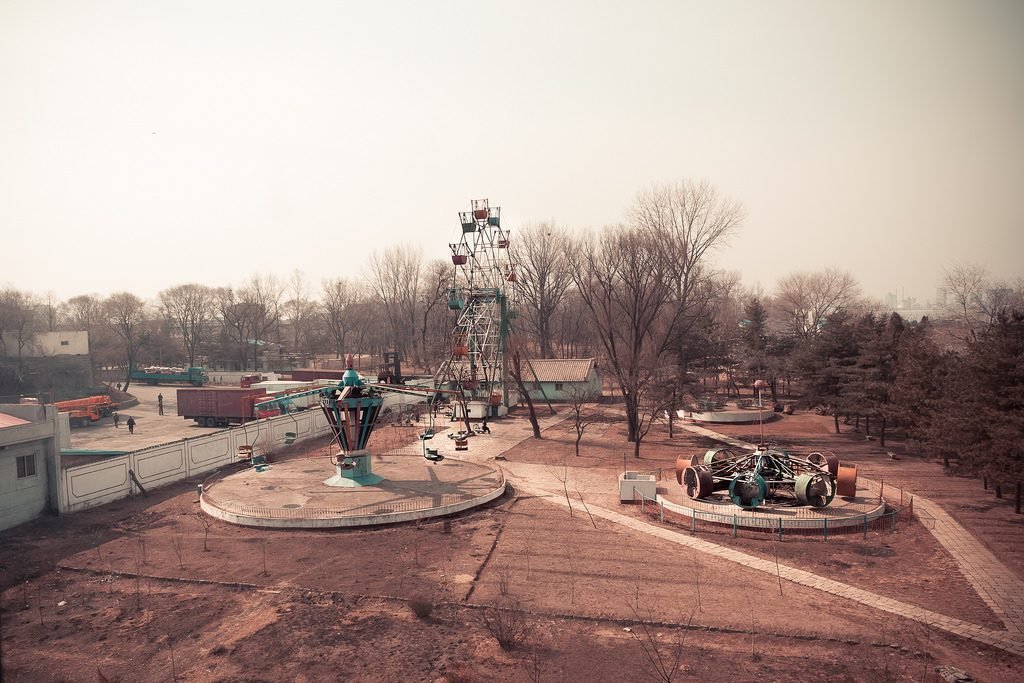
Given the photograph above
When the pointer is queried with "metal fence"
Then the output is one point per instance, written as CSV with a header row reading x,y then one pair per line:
x,y
335,512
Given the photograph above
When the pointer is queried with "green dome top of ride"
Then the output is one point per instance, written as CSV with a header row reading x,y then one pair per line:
x,y
351,379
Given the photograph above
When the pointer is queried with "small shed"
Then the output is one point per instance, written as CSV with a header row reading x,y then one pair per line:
x,y
560,379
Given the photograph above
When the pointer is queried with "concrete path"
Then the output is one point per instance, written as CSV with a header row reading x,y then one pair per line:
x,y
999,587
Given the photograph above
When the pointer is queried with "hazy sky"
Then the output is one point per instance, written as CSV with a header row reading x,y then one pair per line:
x,y
145,144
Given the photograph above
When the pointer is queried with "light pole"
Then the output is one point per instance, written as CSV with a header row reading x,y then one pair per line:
x,y
760,385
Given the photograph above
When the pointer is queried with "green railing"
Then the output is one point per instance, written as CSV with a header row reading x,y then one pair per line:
x,y
767,524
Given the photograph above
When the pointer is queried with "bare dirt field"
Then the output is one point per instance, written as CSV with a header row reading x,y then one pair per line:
x,y
147,590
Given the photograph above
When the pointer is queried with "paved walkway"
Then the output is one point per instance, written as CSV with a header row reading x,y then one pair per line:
x,y
999,587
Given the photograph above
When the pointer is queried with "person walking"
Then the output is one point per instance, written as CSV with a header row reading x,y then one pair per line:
x,y
117,419
131,424
160,403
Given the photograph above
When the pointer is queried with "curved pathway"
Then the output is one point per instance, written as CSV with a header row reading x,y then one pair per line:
x,y
1000,588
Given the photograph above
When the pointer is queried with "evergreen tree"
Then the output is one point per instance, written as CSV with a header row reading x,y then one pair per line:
x,y
827,362
994,415
875,368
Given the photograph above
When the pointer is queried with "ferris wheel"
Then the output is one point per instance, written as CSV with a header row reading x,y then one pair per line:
x,y
481,294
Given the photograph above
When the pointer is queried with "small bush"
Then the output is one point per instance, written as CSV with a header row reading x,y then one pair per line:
x,y
508,624
421,607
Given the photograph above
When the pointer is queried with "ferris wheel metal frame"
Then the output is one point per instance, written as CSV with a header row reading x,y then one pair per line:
x,y
482,296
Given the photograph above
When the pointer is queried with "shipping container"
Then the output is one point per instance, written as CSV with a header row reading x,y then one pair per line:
x,y
220,406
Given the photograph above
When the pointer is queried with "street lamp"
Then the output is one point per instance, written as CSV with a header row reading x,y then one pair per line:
x,y
759,386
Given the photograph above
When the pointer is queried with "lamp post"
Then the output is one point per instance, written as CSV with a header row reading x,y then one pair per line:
x,y
759,386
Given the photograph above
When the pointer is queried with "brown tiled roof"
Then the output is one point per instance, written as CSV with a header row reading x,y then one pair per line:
x,y
546,369
11,421
558,369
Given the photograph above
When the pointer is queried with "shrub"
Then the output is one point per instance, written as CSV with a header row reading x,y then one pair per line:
x,y
421,607
508,624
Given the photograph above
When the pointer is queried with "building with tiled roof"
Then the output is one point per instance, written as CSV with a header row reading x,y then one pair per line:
x,y
553,379
560,379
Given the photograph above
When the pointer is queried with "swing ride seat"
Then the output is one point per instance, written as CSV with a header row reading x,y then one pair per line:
x,y
289,438
432,455
427,435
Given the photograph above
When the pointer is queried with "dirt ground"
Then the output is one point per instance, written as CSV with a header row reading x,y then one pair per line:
x,y
146,589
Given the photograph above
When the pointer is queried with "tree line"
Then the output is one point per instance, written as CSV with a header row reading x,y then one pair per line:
x,y
643,297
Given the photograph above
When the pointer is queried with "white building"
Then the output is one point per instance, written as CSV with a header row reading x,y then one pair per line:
x,y
46,344
29,462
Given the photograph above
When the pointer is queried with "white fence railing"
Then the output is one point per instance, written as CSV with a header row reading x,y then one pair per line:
x,y
87,486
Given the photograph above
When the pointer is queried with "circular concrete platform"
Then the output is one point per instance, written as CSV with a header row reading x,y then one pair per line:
x,y
843,512
292,494
731,416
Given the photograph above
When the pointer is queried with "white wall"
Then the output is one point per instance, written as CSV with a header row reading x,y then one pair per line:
x,y
60,344
24,499
21,500
97,483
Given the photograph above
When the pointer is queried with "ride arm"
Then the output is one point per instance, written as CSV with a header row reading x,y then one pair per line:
x,y
285,403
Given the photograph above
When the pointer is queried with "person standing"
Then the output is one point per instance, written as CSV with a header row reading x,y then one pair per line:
x,y
117,420
131,424
160,403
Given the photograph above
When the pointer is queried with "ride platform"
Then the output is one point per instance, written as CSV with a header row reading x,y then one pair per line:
x,y
293,493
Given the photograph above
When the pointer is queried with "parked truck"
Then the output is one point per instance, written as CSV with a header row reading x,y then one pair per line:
x,y
197,377
82,412
220,406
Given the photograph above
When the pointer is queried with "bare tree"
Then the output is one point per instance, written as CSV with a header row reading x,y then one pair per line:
x,y
542,281
395,278
340,310
687,220
85,313
18,323
50,309
664,660
299,312
966,284
127,317
190,308
248,315
437,279
262,298
806,300
977,299
583,413
515,370
623,278
234,324
573,332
